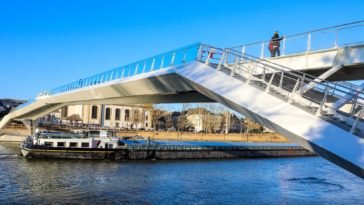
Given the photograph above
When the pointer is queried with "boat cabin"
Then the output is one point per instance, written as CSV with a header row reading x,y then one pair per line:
x,y
75,140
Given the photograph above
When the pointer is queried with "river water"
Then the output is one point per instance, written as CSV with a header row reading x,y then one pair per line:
x,y
304,180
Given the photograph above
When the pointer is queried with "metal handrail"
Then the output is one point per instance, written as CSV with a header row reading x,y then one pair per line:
x,y
295,80
280,68
343,85
308,44
175,57
28,102
172,58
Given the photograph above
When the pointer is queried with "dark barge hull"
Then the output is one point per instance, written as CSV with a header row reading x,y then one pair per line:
x,y
165,153
68,153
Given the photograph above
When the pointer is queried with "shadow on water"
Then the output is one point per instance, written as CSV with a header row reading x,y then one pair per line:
x,y
315,181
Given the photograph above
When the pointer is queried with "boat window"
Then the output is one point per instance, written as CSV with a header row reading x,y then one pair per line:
x,y
61,144
110,146
48,144
107,115
85,144
94,112
117,114
73,144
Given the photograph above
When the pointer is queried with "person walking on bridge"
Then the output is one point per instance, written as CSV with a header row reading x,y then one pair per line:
x,y
274,44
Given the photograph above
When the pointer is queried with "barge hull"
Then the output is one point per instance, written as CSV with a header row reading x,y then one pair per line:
x,y
67,154
203,154
132,154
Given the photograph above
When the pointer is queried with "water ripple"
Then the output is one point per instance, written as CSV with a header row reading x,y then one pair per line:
x,y
8,156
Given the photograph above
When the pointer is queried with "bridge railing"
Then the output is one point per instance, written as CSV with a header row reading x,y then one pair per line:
x,y
318,97
320,39
28,102
172,58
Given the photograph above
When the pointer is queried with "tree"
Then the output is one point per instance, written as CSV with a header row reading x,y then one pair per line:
x,y
137,117
183,123
159,117
214,117
253,127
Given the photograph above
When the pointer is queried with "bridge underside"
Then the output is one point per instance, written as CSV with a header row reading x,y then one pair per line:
x,y
166,88
181,97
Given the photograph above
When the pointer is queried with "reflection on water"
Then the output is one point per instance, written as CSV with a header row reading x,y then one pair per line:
x,y
278,181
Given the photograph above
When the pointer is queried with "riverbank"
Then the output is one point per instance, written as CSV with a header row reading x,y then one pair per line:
x,y
191,136
12,138
17,134
271,137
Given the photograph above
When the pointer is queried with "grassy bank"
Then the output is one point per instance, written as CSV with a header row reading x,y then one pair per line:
x,y
18,134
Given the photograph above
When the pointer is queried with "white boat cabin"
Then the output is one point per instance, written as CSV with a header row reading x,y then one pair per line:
x,y
72,140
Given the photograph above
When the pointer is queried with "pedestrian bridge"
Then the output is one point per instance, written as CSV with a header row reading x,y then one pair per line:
x,y
322,116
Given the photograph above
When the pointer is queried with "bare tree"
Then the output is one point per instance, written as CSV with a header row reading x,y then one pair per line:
x,y
183,122
159,117
252,126
137,117
213,116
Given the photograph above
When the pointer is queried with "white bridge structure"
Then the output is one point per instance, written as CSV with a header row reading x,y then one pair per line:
x,y
323,116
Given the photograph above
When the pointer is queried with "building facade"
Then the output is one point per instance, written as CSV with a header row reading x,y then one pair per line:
x,y
107,116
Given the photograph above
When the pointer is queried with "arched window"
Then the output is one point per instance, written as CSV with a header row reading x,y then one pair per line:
x,y
94,112
136,115
117,114
127,115
107,114
64,112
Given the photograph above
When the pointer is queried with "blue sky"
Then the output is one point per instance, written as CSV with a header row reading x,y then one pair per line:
x,y
45,44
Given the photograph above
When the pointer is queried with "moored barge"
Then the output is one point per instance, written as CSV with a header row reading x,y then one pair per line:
x,y
104,146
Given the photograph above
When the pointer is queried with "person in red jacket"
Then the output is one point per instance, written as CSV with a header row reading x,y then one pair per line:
x,y
275,42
